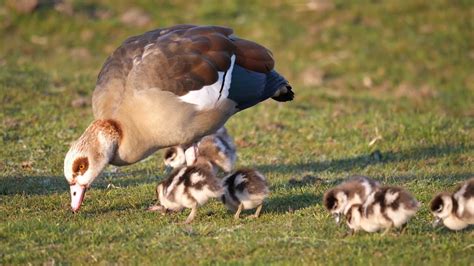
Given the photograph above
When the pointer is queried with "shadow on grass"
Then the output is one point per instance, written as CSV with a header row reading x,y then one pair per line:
x,y
364,160
44,185
291,203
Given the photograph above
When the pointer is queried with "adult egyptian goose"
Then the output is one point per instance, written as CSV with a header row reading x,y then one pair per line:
x,y
455,210
168,87
218,148
385,208
354,190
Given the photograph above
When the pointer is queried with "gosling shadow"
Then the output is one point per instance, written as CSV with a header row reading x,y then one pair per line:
x,y
291,203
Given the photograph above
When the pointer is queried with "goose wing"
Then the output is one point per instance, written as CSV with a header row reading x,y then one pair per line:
x,y
180,59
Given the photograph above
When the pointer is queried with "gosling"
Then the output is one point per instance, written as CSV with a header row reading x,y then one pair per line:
x,y
219,148
455,210
385,208
188,187
353,191
244,189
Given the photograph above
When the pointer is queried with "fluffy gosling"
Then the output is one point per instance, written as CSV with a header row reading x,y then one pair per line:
x,y
188,187
244,189
455,210
385,208
353,191
219,148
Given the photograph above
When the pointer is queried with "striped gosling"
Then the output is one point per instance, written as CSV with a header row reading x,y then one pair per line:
x,y
188,187
244,189
341,198
218,148
455,210
385,208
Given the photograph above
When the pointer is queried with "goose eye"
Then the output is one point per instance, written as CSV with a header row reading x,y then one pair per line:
x,y
80,165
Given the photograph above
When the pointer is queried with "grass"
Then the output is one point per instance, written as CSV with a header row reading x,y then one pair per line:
x,y
399,69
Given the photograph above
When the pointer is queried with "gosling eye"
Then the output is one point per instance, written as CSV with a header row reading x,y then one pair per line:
x,y
440,208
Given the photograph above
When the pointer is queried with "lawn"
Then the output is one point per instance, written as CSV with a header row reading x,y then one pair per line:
x,y
384,89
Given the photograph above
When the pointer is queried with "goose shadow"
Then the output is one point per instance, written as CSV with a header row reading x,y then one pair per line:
x,y
46,185
364,160
324,184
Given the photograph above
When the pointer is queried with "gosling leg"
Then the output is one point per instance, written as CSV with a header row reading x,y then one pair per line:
x,y
403,229
239,210
349,233
257,212
192,215
387,230
191,154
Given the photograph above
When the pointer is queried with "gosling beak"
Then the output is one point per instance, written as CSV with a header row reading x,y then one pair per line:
x,y
337,217
436,222
168,169
77,196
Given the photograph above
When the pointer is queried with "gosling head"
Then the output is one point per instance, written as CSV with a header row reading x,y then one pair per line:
x,y
335,200
174,157
442,207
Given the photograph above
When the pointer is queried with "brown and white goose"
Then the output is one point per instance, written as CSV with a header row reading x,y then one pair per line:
x,y
219,148
167,87
455,210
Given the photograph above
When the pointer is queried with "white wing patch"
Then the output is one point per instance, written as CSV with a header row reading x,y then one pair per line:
x,y
209,95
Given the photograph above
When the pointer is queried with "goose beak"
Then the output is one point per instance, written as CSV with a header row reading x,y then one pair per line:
x,y
436,222
77,196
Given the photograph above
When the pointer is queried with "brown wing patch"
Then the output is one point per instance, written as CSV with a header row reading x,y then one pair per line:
x,y
253,56
183,60
178,59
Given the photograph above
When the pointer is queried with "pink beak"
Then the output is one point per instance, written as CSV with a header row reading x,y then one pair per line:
x,y
77,196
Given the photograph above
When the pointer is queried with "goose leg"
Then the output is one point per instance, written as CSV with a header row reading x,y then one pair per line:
x,y
257,212
192,215
191,154
237,214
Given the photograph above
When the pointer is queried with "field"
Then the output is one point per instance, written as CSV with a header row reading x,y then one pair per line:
x,y
383,89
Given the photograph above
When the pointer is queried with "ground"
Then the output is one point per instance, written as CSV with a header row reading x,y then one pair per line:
x,y
383,89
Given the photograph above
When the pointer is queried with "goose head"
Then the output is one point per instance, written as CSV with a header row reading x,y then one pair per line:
x,y
88,156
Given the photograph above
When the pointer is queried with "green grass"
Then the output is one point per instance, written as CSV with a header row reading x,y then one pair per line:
x,y
417,54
